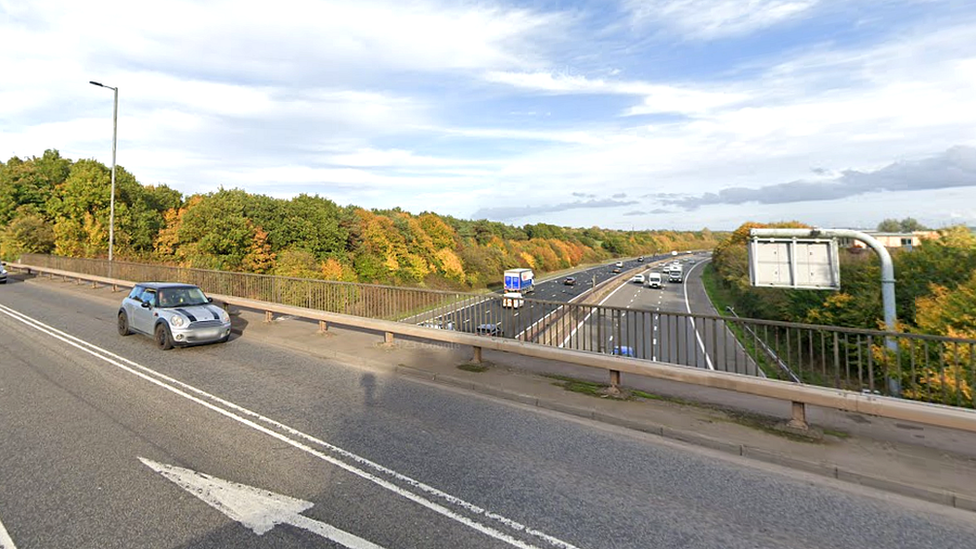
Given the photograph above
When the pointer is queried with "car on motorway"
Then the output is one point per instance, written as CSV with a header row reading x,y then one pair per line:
x,y
3,273
623,350
638,278
488,329
173,314
640,259
570,281
437,324
616,270
654,280
619,264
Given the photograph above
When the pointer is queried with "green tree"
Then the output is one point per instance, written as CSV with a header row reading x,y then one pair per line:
x,y
28,232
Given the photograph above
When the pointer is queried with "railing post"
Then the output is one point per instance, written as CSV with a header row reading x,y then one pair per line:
x,y
799,420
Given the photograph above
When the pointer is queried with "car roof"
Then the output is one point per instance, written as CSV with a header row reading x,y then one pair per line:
x,y
164,285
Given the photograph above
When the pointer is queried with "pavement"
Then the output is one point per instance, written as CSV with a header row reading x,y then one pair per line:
x,y
919,461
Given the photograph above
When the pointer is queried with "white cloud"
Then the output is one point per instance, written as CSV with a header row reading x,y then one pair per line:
x,y
657,98
711,19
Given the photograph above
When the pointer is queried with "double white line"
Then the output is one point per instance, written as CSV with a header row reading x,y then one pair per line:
x,y
429,497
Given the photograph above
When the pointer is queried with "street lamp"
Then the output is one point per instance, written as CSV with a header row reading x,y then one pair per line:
x,y
115,134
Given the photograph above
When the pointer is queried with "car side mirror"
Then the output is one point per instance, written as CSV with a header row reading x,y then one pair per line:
x,y
209,300
145,305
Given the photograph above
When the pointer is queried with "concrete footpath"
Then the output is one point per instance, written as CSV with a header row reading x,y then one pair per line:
x,y
918,461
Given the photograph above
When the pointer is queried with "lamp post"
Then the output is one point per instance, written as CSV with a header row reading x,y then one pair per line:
x,y
115,134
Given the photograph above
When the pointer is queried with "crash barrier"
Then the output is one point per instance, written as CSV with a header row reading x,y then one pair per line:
x,y
841,368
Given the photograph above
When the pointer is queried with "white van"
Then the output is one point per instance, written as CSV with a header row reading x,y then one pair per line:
x,y
654,280
512,300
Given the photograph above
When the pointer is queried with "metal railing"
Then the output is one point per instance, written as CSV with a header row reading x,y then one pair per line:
x,y
920,367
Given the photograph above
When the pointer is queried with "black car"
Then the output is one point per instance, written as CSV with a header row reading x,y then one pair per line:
x,y
488,329
570,281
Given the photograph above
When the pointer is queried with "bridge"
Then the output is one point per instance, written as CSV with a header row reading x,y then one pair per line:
x,y
326,448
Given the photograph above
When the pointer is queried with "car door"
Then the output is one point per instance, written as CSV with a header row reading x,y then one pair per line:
x,y
142,316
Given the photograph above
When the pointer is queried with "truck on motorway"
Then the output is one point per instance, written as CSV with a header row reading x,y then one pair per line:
x,y
518,282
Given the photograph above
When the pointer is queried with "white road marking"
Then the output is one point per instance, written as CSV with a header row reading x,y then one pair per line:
x,y
587,317
5,541
256,509
708,359
183,389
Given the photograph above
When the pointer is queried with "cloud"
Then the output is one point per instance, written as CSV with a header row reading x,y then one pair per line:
x,y
956,167
713,19
503,213
583,195
657,98
619,195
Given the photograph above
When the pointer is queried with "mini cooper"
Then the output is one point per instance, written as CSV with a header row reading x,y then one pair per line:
x,y
173,314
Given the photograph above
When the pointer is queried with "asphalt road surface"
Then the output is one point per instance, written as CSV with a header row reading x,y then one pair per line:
x,y
523,322
653,323
107,442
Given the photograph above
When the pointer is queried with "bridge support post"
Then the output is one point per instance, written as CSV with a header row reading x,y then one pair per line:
x,y
799,420
388,338
268,317
94,285
323,326
477,355
115,288
614,388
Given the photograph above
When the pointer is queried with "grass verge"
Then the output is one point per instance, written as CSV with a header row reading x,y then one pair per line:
x,y
721,300
474,367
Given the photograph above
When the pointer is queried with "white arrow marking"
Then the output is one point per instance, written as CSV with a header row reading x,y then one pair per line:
x,y
5,541
258,510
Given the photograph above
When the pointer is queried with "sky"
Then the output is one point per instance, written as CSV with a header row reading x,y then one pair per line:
x,y
623,114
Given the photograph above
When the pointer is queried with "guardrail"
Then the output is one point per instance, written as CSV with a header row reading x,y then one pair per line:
x,y
854,364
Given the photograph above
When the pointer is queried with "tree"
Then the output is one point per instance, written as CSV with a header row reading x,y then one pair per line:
x,y
906,225
29,232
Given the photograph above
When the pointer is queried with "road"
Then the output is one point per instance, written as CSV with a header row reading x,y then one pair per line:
x,y
524,322
107,442
654,324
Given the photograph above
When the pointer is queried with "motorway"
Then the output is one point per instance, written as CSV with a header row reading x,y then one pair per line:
x,y
523,322
633,319
107,442
653,324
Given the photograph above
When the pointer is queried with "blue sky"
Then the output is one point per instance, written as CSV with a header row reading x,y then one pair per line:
x,y
620,113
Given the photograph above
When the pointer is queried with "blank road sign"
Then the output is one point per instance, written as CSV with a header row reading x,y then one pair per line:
x,y
794,263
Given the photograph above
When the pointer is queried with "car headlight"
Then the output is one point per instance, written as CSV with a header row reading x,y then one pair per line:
x,y
176,321
224,317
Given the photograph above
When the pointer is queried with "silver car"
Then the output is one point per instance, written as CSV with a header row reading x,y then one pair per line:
x,y
173,314
3,273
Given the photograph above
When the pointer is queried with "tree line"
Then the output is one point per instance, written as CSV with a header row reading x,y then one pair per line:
x,y
51,204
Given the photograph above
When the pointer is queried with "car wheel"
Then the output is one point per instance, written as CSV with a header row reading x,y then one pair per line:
x,y
124,325
163,339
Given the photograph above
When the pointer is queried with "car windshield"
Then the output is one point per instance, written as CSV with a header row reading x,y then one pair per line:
x,y
181,297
